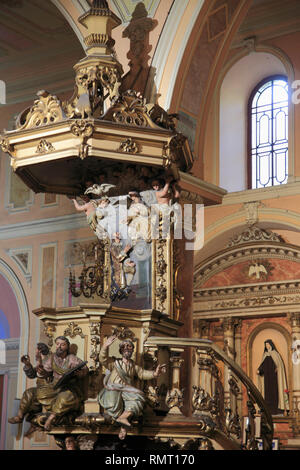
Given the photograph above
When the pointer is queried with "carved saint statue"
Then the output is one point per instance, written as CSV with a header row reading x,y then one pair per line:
x,y
29,404
56,401
119,398
123,268
272,381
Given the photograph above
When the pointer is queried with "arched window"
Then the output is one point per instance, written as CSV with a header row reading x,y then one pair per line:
x,y
268,133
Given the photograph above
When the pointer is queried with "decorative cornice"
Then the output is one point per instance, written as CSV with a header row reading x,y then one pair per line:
x,y
255,234
267,288
265,299
250,195
209,187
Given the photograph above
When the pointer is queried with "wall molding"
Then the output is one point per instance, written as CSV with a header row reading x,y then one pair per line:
x,y
42,226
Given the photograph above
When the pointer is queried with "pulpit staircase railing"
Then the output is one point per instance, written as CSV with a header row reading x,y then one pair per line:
x,y
217,405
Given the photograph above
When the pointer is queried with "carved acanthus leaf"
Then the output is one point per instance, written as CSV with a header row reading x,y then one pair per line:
x,y
47,109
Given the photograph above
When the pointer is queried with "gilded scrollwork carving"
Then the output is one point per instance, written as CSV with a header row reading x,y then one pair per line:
x,y
83,129
49,331
123,332
47,109
174,400
232,423
95,331
128,146
161,291
156,396
94,83
152,396
5,145
131,108
177,295
202,401
44,147
205,424
207,363
73,330
251,302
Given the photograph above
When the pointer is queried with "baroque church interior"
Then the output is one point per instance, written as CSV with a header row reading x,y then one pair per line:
x,y
191,106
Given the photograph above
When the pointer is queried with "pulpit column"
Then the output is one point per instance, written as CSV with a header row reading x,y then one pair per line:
x,y
294,319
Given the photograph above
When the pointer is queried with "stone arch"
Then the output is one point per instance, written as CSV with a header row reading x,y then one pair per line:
x,y
16,287
202,62
170,50
16,345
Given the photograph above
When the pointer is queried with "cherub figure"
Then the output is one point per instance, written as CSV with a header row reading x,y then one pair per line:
x,y
164,206
90,210
165,191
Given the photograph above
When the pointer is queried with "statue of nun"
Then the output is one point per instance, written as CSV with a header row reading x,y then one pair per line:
x,y
272,381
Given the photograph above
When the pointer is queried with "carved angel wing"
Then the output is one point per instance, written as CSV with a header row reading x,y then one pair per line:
x,y
262,269
105,187
252,271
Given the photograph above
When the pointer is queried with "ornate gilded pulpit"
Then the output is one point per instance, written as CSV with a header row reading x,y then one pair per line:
x,y
139,286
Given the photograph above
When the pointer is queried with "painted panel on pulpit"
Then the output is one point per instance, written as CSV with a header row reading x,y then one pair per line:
x,y
126,213
131,274
255,271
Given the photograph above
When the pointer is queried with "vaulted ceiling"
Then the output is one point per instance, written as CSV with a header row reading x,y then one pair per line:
x,y
270,18
32,33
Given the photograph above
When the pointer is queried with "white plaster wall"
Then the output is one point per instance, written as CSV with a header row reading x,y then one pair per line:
x,y
236,88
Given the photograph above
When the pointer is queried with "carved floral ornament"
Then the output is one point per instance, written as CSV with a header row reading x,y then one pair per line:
x,y
128,146
47,109
129,108
123,332
254,234
44,147
4,145
73,330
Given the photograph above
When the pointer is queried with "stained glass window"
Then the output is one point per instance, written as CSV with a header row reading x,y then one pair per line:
x,y
268,137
